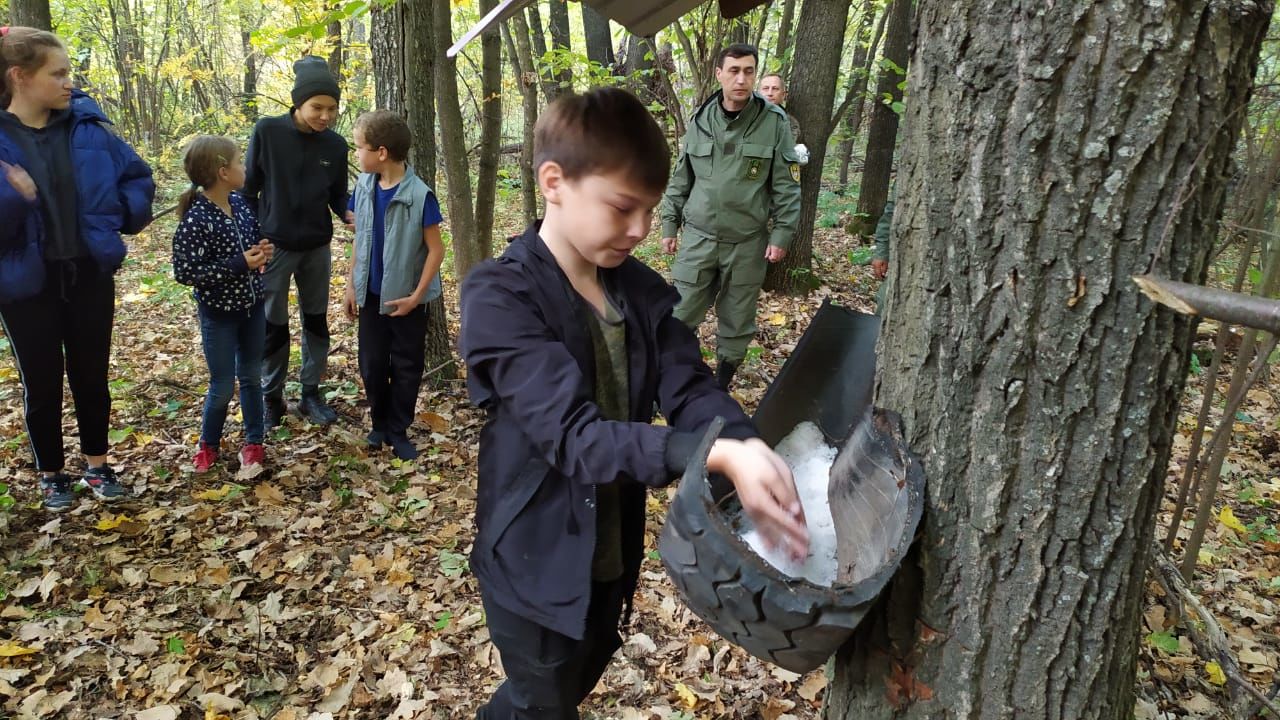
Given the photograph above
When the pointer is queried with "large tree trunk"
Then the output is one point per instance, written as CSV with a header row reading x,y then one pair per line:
x,y
599,37
490,131
467,250
550,89
859,74
31,13
1044,164
249,85
333,31
813,92
882,134
401,31
526,80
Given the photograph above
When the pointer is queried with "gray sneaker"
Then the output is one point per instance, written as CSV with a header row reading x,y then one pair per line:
x,y
57,492
102,482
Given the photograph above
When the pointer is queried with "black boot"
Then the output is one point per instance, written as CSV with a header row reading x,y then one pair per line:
x,y
724,373
312,407
274,410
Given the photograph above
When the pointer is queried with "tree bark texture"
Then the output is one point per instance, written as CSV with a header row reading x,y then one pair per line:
x,y
31,13
550,89
1048,148
882,132
599,36
453,144
337,55
490,131
813,91
403,33
249,85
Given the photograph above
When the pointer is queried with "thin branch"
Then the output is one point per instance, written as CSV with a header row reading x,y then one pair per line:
x,y
1251,311
1212,643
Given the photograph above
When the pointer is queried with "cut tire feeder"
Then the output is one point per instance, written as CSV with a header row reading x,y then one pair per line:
x,y
877,483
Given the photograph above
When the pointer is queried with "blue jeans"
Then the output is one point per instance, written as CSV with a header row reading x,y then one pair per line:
x,y
233,349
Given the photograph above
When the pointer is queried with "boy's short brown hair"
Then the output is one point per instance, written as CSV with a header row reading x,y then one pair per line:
x,y
383,128
602,131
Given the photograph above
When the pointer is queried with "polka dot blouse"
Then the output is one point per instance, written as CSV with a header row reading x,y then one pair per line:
x,y
208,254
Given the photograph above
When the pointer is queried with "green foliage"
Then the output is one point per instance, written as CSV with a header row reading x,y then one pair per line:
x,y
452,564
6,500
1165,641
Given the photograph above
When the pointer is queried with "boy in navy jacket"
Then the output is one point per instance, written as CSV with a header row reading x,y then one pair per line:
x,y
569,342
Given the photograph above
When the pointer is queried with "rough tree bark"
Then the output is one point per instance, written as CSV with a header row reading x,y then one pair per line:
x,y
599,36
813,91
550,89
399,32
31,13
1049,147
882,132
337,55
249,85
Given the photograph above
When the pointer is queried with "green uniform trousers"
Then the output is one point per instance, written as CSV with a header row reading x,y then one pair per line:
x,y
728,273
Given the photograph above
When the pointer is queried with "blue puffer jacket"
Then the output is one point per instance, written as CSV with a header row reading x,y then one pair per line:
x,y
114,191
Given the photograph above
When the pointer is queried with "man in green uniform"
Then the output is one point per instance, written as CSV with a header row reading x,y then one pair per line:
x,y
738,168
880,260
775,91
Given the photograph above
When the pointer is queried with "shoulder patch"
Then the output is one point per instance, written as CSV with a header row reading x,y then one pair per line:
x,y
795,171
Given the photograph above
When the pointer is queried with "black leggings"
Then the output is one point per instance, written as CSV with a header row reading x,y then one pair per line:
x,y
72,314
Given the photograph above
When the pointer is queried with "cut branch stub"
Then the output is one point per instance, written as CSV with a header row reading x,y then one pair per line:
x,y
1251,311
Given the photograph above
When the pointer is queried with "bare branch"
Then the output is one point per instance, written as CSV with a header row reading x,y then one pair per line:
x,y
1251,311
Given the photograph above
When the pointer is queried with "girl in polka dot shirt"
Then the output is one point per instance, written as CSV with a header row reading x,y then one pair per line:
x,y
219,251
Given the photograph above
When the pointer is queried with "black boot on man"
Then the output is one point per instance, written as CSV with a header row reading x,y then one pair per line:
x,y
274,410
724,373
312,407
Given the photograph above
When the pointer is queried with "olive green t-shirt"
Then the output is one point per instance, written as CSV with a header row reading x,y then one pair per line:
x,y
609,341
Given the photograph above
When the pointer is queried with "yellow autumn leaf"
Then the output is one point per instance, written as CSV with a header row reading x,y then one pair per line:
x,y
111,523
778,319
1214,671
13,649
1204,557
1228,518
216,494
687,696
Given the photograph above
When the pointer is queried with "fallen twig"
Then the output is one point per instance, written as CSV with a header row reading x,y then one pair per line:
x,y
1212,641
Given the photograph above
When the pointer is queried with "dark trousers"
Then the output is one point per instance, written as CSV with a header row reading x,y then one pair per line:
x,y
233,350
549,674
392,359
66,326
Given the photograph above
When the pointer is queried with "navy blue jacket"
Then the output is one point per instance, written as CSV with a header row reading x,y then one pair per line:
x,y
208,254
114,191
545,445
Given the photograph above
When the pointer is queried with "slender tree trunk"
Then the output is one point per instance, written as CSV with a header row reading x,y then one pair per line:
x,y
249,86
550,88
859,72
598,35
813,91
527,81
490,132
1037,383
558,18
336,53
467,250
882,134
781,50
31,13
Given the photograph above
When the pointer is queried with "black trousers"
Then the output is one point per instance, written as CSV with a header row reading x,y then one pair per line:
x,y
70,319
549,674
392,359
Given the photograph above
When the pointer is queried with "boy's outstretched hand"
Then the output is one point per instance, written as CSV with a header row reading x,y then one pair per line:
x,y
766,490
349,303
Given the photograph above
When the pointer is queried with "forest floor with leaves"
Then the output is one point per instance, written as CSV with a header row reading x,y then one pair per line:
x,y
334,583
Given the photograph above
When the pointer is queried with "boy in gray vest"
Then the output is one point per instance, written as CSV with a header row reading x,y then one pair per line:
x,y
394,274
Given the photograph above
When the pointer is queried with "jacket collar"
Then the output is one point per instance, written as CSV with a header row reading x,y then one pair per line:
x,y
407,183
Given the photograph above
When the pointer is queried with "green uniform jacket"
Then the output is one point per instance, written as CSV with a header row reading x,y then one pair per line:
x,y
883,227
733,175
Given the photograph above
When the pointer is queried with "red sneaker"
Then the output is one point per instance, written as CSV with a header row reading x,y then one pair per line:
x,y
252,454
205,457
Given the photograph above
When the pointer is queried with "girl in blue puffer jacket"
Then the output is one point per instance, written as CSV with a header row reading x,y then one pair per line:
x,y
71,186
